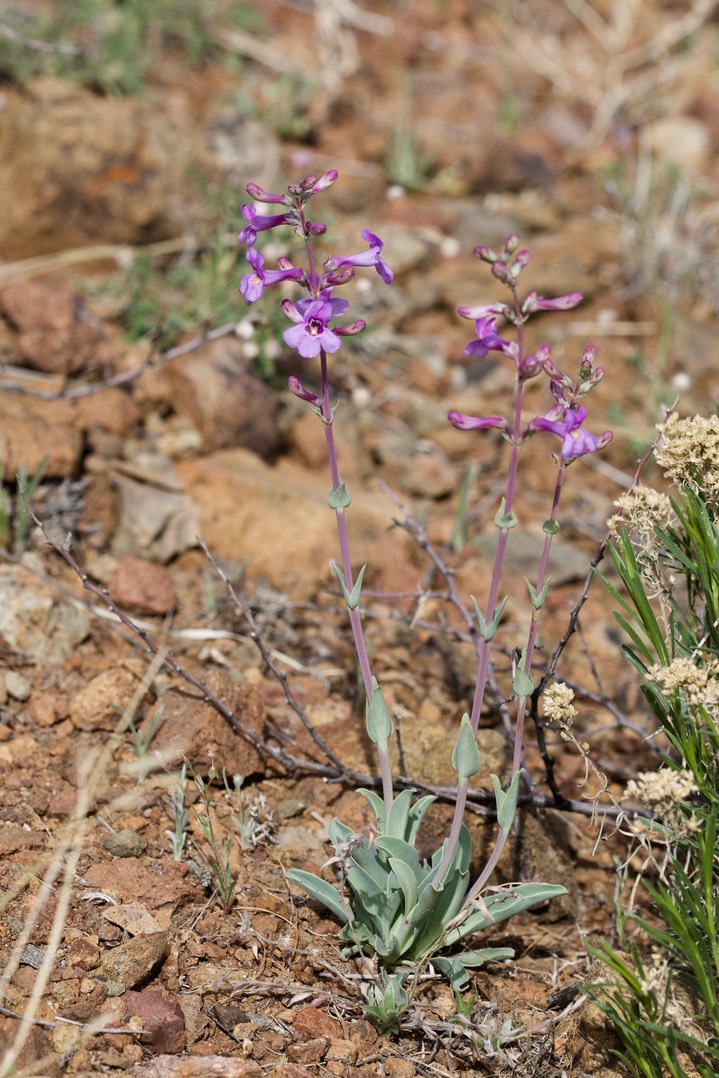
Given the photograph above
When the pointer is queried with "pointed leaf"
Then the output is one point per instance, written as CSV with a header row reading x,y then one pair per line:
x,y
465,758
321,891
376,803
339,498
505,904
407,881
398,816
416,815
506,802
379,720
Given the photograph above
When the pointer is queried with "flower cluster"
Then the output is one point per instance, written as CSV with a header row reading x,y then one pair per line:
x,y
313,331
558,704
662,788
698,684
566,417
689,454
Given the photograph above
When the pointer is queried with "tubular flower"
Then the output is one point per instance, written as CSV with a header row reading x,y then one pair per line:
x,y
575,441
487,339
370,257
533,302
312,333
475,422
253,284
257,222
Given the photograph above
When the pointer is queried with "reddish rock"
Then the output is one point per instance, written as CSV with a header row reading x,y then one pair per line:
x,y
343,1051
162,1020
55,332
78,167
142,586
131,880
98,705
31,436
227,404
133,962
190,728
312,1022
312,1051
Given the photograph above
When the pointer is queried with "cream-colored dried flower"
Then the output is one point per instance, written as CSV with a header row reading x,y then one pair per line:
x,y
689,453
558,706
665,787
698,684
640,511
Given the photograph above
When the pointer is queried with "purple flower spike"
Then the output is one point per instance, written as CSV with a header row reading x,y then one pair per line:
x,y
487,339
575,441
475,422
253,284
259,223
365,258
312,333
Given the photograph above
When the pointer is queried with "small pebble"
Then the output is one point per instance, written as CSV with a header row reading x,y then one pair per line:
x,y
124,843
18,686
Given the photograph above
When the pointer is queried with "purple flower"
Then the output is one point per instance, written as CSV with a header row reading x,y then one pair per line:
x,y
259,223
253,284
482,312
474,422
312,333
575,441
299,390
260,195
370,257
533,302
487,339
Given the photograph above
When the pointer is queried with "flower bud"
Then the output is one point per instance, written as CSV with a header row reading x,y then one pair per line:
x,y
530,367
499,270
255,191
551,368
351,330
307,183
511,244
296,387
315,228
341,275
471,422
485,311
486,254
522,258
604,439
324,181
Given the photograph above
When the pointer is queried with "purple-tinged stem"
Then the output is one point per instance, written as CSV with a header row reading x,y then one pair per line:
x,y
483,657
354,615
503,834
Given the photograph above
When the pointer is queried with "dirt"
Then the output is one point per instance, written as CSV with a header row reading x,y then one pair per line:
x,y
118,697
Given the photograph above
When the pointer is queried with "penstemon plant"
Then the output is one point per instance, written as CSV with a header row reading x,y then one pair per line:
x,y
402,909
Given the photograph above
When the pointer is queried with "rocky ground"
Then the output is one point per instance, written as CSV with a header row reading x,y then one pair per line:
x,y
143,405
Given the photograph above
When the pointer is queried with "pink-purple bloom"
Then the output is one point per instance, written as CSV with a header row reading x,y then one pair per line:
x,y
371,257
487,339
575,441
312,333
475,422
533,302
258,222
253,284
